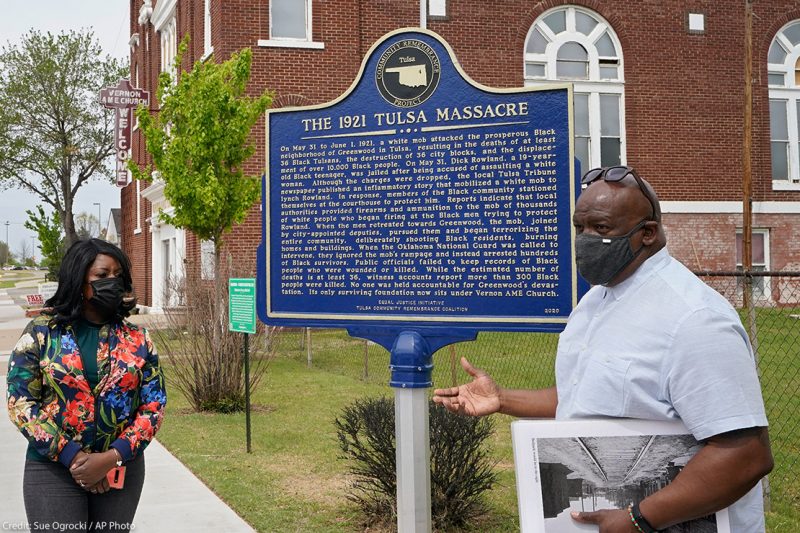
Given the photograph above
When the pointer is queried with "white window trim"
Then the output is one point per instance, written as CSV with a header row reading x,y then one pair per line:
x,y
138,229
549,57
783,185
594,90
208,48
435,16
787,67
792,97
766,295
169,48
288,42
693,17
594,86
790,92
763,208
765,233
163,12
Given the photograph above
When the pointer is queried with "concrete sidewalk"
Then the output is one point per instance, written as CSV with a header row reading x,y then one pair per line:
x,y
173,499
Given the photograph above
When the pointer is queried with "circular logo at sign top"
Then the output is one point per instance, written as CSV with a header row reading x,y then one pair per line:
x,y
408,73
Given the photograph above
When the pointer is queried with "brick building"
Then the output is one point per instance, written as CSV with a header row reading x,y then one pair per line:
x,y
658,86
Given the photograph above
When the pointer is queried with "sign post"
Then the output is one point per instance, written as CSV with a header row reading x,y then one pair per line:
x,y
416,210
242,319
123,99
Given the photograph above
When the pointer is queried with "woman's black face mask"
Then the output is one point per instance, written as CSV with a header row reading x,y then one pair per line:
x,y
107,296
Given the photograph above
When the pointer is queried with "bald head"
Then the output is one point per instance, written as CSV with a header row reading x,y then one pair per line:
x,y
614,209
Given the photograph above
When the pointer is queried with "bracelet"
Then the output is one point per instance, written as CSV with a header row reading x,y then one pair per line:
x,y
119,456
639,521
633,520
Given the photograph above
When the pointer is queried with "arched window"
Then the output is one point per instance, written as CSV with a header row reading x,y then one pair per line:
x,y
575,44
784,106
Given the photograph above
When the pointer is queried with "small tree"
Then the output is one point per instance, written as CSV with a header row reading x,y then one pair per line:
x,y
199,142
207,381
54,136
25,252
51,239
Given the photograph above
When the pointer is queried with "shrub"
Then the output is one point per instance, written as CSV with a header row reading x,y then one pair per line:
x,y
461,463
206,362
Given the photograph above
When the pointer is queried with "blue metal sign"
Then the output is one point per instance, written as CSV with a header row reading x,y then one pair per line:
x,y
420,198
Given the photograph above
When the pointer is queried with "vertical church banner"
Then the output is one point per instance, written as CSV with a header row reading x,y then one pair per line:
x,y
123,99
420,197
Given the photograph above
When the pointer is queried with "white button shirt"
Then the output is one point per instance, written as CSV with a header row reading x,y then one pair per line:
x,y
663,345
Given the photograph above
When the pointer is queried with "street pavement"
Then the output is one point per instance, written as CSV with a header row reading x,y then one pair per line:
x,y
173,499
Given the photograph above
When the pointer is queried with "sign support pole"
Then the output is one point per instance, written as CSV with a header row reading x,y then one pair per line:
x,y
247,387
242,319
411,366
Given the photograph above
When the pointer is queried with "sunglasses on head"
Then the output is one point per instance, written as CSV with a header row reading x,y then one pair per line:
x,y
616,174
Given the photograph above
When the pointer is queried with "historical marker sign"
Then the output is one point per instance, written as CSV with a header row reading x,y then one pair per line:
x,y
123,99
242,305
420,197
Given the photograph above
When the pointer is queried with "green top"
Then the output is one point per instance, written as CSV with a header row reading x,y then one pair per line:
x,y
87,336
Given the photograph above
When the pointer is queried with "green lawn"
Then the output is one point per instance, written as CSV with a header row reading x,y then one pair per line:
x,y
10,278
294,481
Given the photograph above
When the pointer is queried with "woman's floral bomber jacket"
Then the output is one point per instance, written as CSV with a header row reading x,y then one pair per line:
x,y
50,400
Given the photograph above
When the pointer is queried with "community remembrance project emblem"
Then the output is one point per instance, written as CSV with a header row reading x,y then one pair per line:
x,y
408,73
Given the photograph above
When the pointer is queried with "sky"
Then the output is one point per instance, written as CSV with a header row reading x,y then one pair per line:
x,y
109,19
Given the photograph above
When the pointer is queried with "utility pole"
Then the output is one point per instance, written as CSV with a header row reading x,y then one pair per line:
x,y
747,203
99,224
8,248
747,177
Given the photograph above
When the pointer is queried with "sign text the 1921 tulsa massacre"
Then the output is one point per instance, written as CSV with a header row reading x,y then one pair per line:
x,y
421,197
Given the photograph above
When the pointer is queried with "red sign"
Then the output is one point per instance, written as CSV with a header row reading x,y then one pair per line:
x,y
123,99
35,299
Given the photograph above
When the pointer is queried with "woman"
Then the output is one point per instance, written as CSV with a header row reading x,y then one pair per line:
x,y
86,390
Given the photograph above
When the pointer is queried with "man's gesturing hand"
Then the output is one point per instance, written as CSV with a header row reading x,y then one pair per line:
x,y
610,521
479,397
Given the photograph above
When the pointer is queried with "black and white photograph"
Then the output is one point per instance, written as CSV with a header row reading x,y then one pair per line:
x,y
569,466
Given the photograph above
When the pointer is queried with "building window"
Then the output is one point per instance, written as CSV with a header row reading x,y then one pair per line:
x,y
290,25
697,23
290,19
575,44
169,48
760,262
437,8
783,65
207,29
138,228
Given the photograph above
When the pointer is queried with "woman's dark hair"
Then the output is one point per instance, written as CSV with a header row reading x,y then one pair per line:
x,y
67,302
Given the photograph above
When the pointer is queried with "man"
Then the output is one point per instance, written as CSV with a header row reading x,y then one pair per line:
x,y
649,341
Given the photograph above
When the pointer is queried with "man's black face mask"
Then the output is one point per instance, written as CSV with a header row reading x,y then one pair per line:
x,y
599,258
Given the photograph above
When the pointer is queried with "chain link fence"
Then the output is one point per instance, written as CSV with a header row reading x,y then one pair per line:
x,y
769,305
526,360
